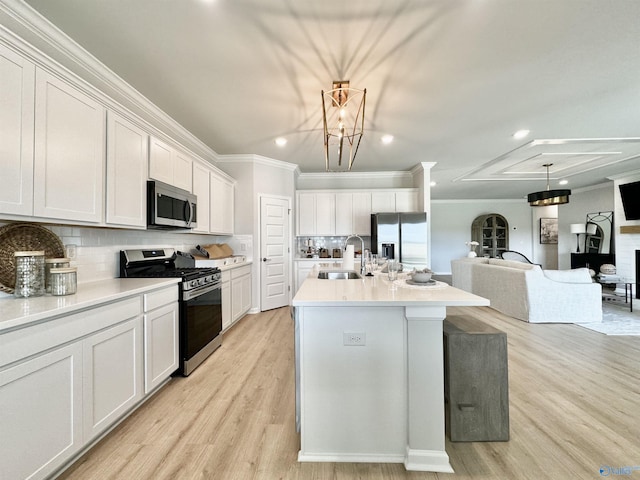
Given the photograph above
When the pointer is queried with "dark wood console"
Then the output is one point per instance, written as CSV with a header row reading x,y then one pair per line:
x,y
592,260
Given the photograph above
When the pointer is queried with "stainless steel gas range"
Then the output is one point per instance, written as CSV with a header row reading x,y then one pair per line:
x,y
200,298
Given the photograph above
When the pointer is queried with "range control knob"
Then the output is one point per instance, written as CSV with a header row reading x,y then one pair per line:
x,y
193,283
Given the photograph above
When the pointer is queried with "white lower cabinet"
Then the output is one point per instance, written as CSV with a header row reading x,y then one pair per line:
x,y
41,431
113,375
227,320
66,380
161,347
236,294
240,292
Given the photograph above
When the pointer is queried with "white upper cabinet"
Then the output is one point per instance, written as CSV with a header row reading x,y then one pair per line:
x,y
127,172
16,133
69,152
344,213
222,205
201,190
353,213
316,213
169,165
362,213
325,214
182,171
306,214
347,212
405,200
383,202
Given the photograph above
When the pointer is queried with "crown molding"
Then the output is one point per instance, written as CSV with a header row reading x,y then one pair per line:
x,y
88,70
355,175
257,159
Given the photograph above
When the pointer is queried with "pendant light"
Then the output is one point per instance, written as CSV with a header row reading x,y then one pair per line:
x,y
343,122
548,197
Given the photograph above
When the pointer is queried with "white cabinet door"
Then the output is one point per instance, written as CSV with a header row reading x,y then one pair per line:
x,y
127,172
344,213
228,212
169,165
407,201
306,214
41,413
160,161
17,77
222,205
240,291
113,376
362,213
69,152
325,214
160,345
227,318
236,298
182,171
201,190
383,202
246,294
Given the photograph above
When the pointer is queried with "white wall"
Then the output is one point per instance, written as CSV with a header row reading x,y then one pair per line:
x,y
256,176
451,227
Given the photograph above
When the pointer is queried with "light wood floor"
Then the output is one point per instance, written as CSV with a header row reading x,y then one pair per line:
x,y
574,406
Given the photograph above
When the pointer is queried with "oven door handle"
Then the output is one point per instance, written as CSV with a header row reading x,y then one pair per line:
x,y
191,294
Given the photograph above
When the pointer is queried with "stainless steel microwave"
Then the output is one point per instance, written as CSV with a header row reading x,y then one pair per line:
x,y
169,207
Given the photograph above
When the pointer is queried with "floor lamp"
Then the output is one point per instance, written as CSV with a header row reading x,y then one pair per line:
x,y
578,228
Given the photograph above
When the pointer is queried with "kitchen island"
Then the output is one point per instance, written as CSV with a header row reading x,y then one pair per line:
x,y
369,370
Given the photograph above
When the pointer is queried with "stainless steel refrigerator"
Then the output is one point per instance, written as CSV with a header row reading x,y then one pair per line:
x,y
401,236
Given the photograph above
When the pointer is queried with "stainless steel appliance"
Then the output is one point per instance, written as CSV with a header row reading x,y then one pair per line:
x,y
169,207
401,236
200,298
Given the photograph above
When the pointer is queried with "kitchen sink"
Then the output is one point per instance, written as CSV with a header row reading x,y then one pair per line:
x,y
339,275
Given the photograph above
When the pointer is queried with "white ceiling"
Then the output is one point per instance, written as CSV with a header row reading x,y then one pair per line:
x,y
451,80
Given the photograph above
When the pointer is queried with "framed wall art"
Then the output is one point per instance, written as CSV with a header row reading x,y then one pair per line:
x,y
549,230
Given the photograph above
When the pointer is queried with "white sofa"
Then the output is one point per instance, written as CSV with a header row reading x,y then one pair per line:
x,y
528,293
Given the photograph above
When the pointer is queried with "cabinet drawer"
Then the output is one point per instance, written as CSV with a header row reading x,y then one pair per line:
x,y
240,272
158,298
24,342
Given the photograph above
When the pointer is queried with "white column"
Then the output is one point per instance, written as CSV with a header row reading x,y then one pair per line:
x,y
425,372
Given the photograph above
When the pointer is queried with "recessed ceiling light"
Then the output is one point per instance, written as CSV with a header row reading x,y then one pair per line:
x,y
281,141
563,182
520,134
387,139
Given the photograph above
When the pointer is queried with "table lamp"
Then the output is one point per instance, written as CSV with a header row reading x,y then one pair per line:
x,y
578,228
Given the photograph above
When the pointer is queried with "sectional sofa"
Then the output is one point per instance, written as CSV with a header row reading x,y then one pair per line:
x,y
526,292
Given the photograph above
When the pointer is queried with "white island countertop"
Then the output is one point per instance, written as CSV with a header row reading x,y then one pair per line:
x,y
377,290
20,312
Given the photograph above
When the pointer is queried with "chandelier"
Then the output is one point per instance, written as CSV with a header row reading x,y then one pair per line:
x,y
548,197
343,121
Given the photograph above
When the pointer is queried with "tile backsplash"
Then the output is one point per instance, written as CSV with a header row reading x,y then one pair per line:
x,y
97,250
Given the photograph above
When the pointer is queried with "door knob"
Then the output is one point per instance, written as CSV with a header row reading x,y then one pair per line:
x,y
265,259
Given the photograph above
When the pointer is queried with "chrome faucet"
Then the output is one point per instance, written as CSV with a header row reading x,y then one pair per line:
x,y
362,266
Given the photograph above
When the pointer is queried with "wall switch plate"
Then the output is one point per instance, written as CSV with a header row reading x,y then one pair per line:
x,y
352,339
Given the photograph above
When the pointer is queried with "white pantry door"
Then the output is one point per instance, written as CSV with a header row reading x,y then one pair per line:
x,y
274,252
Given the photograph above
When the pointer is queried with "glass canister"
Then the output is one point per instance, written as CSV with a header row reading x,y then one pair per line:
x,y
50,263
30,278
63,281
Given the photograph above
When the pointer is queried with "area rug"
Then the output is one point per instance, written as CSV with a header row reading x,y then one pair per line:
x,y
617,320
